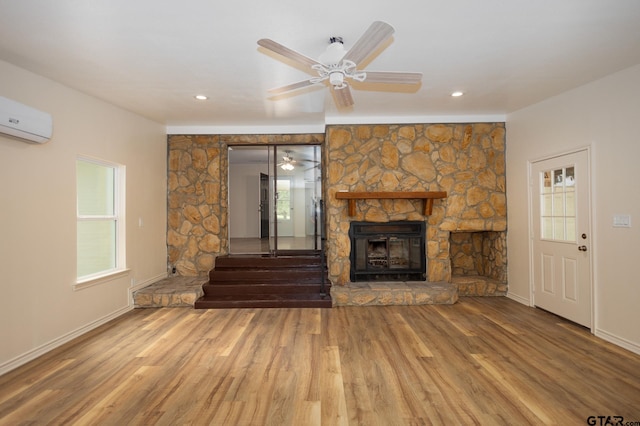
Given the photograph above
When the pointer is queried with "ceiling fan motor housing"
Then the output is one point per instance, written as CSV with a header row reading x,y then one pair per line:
x,y
336,78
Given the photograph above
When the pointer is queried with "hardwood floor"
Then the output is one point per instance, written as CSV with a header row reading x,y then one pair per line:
x,y
481,361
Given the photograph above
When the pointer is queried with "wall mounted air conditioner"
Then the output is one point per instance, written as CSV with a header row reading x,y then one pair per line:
x,y
24,122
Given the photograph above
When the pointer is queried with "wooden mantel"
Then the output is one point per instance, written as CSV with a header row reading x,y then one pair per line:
x,y
426,197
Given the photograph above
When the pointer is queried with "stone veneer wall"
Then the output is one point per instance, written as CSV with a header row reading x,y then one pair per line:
x,y
198,170
465,160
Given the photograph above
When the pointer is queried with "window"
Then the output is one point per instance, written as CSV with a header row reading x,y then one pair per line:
x,y
100,224
558,204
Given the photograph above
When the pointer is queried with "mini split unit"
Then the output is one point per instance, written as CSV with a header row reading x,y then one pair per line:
x,y
24,122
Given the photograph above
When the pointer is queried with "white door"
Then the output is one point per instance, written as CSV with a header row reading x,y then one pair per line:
x,y
561,236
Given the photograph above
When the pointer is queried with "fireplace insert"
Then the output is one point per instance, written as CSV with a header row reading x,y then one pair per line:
x,y
392,251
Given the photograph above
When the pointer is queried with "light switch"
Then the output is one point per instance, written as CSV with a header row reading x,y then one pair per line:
x,y
621,221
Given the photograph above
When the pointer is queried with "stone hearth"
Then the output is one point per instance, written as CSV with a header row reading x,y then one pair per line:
x,y
170,292
394,293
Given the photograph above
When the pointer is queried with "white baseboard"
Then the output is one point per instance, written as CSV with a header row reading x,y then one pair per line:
x,y
604,335
41,350
619,341
518,299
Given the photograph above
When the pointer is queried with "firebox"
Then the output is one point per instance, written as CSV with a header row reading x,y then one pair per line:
x,y
392,251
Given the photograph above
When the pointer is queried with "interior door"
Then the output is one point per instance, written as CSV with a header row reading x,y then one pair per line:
x,y
561,236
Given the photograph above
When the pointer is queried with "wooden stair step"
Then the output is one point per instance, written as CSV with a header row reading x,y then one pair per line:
x,y
265,301
255,281
259,262
265,276
263,288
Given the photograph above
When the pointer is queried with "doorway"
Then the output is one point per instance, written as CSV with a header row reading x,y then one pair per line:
x,y
561,233
274,198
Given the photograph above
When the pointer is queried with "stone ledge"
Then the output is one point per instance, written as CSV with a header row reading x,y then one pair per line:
x,y
394,293
170,292
475,285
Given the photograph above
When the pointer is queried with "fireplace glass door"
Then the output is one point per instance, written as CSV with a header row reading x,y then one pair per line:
x,y
392,251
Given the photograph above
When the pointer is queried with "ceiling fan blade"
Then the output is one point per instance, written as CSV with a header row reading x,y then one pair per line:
x,y
390,77
343,96
290,87
376,34
287,53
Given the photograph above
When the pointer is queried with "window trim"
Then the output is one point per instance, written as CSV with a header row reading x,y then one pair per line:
x,y
120,223
98,279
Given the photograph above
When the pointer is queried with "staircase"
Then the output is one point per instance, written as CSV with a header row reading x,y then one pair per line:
x,y
256,281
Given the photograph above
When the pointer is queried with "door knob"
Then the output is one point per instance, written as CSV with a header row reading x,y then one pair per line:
x,y
582,248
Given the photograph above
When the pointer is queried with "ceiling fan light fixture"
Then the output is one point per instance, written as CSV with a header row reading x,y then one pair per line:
x,y
457,94
287,166
334,53
201,97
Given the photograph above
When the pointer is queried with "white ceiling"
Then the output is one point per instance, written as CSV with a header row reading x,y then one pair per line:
x,y
152,56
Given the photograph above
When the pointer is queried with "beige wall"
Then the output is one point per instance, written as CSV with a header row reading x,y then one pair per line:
x,y
38,307
604,116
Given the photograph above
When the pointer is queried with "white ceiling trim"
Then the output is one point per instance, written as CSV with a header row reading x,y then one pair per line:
x,y
246,130
418,119
320,128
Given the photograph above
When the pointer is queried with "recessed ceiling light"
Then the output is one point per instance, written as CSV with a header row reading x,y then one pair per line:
x,y
201,97
457,94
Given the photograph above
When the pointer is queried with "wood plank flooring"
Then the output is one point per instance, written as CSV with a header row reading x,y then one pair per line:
x,y
481,361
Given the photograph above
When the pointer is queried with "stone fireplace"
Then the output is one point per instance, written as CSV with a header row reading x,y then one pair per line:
x,y
393,251
464,160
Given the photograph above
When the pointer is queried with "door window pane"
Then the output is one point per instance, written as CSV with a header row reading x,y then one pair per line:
x,y
547,228
558,204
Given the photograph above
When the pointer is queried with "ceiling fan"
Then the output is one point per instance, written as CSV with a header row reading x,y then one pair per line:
x,y
338,67
288,163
